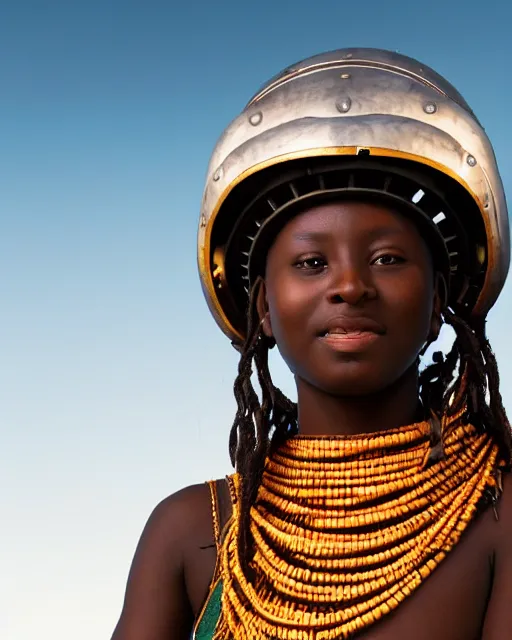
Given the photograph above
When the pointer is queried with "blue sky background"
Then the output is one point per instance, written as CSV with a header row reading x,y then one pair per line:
x,y
115,384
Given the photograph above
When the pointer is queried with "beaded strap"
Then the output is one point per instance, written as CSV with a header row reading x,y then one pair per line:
x,y
212,484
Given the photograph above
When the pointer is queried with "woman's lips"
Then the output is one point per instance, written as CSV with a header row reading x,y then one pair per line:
x,y
349,341
350,334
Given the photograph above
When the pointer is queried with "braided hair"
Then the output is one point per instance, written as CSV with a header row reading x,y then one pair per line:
x,y
466,379
257,422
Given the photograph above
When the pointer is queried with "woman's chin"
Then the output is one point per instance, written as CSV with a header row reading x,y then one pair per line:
x,y
356,380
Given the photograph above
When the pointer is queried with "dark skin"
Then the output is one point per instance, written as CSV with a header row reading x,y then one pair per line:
x,y
363,274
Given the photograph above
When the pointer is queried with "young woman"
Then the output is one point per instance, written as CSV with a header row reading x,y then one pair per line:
x,y
351,210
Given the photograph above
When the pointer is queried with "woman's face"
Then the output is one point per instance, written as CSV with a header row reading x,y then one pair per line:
x,y
349,296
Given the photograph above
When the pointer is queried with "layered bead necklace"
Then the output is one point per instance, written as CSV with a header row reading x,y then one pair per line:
x,y
345,528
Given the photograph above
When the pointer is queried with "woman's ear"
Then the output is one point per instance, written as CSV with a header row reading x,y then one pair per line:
x,y
262,308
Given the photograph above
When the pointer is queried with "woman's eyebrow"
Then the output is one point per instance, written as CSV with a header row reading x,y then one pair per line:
x,y
384,231
312,235
371,233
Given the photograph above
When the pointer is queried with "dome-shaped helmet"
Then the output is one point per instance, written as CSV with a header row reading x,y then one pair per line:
x,y
357,123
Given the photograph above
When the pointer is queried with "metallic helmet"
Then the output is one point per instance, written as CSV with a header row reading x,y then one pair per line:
x,y
356,123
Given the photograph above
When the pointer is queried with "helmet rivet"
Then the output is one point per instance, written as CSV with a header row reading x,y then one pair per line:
x,y
430,107
471,160
344,105
347,56
217,175
203,220
256,118
345,76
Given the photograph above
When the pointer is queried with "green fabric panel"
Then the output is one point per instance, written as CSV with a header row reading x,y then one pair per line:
x,y
211,614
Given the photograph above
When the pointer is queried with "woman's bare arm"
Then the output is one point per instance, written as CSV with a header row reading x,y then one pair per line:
x,y
156,605
498,620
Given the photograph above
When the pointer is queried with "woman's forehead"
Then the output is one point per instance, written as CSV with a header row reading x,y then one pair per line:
x,y
326,219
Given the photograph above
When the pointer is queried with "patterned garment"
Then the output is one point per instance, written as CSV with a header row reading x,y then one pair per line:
x,y
207,621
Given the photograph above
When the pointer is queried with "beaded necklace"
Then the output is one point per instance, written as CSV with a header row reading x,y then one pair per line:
x,y
345,528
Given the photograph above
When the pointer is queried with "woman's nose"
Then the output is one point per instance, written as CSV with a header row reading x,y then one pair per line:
x,y
349,284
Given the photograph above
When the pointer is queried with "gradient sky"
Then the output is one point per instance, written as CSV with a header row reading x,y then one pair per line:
x,y
115,383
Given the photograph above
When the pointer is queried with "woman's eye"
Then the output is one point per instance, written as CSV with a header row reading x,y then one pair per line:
x,y
388,259
311,264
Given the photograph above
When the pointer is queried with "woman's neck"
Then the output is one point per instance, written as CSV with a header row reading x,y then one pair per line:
x,y
322,414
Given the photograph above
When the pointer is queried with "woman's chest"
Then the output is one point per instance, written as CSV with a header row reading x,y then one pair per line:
x,y
449,605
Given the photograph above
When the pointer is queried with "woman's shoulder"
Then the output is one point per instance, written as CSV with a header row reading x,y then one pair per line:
x,y
172,568
499,612
502,511
182,510
198,515
195,508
